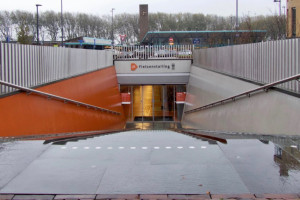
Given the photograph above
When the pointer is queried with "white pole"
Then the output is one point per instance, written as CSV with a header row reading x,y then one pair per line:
x,y
237,14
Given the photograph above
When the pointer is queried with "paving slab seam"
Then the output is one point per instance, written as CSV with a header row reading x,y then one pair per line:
x,y
151,197
28,164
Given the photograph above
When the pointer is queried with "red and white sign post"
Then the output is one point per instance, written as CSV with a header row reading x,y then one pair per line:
x,y
126,99
122,38
171,41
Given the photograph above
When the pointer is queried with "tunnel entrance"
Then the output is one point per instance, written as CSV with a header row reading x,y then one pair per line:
x,y
153,103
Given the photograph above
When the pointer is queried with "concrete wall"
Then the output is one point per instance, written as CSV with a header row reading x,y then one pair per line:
x,y
28,114
264,113
263,62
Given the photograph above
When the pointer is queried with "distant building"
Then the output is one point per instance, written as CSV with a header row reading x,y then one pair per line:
x,y
143,21
49,43
200,39
203,39
88,43
293,18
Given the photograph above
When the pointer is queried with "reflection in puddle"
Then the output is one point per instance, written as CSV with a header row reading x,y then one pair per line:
x,y
153,125
287,159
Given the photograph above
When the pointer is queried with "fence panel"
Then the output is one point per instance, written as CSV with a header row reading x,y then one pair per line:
x,y
29,66
264,62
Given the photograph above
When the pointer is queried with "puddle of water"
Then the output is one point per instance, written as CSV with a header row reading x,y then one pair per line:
x,y
251,163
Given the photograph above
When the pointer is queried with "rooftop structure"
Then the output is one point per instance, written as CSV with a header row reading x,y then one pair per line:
x,y
293,18
143,21
88,43
204,38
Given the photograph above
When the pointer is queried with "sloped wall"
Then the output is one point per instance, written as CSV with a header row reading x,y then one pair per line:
x,y
264,113
22,114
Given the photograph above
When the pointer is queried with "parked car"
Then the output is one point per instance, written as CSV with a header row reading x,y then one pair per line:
x,y
143,52
186,53
173,53
126,54
116,53
165,53
160,53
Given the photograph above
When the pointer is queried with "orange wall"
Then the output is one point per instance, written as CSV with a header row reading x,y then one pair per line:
x,y
23,114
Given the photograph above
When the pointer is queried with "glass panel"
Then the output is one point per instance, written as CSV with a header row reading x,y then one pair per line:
x,y
158,103
153,103
179,107
137,103
147,102
168,102
293,21
170,105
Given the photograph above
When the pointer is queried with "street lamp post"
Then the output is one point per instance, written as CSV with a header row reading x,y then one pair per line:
x,y
237,15
112,27
37,23
7,38
237,22
279,1
62,23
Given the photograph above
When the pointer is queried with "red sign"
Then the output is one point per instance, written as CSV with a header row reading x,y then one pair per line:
x,y
171,41
133,66
180,97
125,98
122,37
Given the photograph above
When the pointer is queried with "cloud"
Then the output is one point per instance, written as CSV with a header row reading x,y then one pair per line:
x,y
103,7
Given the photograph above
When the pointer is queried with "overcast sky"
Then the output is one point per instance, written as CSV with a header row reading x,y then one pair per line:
x,y
103,7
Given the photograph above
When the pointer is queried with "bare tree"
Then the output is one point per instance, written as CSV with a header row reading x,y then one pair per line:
x,y
5,25
51,22
83,27
24,22
80,24
276,27
70,25
127,24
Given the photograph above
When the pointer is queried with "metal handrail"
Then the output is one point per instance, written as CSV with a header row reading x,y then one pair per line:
x,y
248,93
51,96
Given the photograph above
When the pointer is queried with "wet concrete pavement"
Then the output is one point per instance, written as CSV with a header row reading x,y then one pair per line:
x,y
150,197
148,162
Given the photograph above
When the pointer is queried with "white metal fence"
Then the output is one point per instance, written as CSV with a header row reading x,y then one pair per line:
x,y
154,52
30,66
264,62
